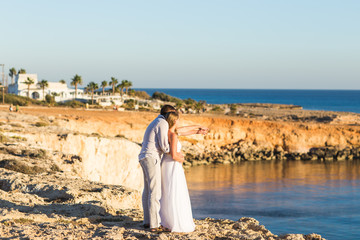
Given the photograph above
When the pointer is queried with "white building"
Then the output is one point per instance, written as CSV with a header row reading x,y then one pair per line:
x,y
62,92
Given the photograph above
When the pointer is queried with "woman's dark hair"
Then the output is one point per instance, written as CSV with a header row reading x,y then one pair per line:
x,y
167,108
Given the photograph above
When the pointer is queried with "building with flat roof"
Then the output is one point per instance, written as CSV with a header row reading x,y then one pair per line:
x,y
60,90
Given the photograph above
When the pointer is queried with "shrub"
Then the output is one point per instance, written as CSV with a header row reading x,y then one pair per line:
x,y
165,97
16,125
190,101
19,138
73,104
50,99
233,108
18,166
129,104
40,124
139,94
95,135
3,138
217,109
55,168
20,100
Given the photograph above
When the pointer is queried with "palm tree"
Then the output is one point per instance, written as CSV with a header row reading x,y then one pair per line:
x,y
12,74
22,71
92,86
43,84
75,81
28,82
121,86
113,82
104,85
62,81
86,90
128,84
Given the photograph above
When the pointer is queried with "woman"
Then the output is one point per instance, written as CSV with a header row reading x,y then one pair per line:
x,y
175,210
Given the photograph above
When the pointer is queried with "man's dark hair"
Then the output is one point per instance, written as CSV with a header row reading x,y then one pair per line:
x,y
167,108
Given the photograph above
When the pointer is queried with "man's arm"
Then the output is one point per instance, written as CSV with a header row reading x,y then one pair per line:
x,y
163,139
193,129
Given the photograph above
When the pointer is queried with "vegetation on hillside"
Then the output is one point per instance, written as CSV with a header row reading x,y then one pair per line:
x,y
19,100
139,94
186,103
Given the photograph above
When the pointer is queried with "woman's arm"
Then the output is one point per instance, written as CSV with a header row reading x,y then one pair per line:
x,y
193,129
173,148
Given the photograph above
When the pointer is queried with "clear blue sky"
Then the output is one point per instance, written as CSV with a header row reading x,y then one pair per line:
x,y
282,44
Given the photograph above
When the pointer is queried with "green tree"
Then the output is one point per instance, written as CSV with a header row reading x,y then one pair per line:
x,y
128,84
92,86
104,85
12,74
43,84
22,71
121,87
49,99
28,82
233,108
75,81
113,83
62,81
86,90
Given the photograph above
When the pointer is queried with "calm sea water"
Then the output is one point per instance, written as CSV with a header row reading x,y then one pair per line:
x,y
329,100
286,197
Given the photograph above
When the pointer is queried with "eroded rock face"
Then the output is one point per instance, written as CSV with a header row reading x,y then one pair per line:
x,y
105,160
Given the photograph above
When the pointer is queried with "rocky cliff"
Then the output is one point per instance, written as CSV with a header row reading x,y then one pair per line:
x,y
75,174
292,130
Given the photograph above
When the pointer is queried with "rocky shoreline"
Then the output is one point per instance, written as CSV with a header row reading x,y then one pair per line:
x,y
57,180
245,151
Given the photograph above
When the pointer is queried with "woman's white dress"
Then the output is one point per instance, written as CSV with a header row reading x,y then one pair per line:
x,y
175,206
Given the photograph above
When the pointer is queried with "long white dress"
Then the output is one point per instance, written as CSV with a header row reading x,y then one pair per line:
x,y
175,206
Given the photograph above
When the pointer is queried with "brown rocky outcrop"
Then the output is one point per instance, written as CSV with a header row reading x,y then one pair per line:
x,y
57,177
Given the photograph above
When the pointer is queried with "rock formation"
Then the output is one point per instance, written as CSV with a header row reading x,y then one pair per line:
x,y
68,177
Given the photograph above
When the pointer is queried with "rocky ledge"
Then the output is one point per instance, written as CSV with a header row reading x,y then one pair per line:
x,y
251,151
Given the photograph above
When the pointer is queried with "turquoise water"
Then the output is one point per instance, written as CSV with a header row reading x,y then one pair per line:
x,y
330,100
286,197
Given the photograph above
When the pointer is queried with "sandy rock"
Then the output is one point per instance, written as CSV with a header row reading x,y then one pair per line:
x,y
293,237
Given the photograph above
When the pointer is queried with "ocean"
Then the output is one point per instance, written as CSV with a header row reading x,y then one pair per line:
x,y
327,100
285,197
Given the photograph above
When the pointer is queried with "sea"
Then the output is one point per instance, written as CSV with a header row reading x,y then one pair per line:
x,y
327,100
286,197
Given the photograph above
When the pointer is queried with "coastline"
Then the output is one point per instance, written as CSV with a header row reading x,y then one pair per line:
x,y
46,148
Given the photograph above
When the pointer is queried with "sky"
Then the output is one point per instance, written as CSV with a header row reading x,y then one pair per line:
x,y
236,44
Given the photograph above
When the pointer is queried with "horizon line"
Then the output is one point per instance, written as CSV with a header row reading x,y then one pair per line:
x,y
302,89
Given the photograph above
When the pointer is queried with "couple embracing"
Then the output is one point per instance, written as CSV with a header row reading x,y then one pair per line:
x,y
165,198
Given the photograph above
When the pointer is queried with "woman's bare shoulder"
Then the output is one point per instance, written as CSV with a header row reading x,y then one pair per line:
x,y
172,135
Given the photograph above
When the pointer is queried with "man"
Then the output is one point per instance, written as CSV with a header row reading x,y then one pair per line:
x,y
155,144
